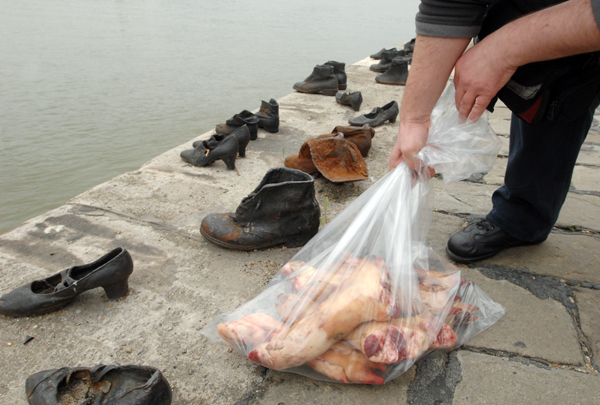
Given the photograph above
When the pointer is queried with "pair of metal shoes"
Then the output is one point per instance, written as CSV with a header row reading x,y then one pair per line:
x,y
337,156
219,147
100,385
325,79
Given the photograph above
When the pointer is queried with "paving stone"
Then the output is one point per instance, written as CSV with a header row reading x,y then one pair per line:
x,y
496,175
442,227
293,389
492,380
588,302
564,256
462,197
580,210
585,178
544,326
589,155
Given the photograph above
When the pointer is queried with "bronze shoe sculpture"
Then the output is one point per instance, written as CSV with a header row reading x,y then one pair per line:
x,y
339,71
378,116
243,118
386,61
39,297
338,160
100,385
379,55
207,153
268,116
242,134
397,73
359,136
281,210
321,81
354,99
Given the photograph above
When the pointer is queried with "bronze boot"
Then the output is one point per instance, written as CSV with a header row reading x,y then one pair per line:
x,y
321,81
281,210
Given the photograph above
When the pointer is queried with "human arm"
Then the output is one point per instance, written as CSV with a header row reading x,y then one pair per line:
x,y
433,61
566,29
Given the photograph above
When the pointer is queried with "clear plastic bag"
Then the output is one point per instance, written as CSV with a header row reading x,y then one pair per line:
x,y
365,298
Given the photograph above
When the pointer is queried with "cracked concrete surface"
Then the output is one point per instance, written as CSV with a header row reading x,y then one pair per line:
x,y
544,350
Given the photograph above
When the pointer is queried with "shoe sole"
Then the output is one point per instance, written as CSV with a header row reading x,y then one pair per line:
x,y
291,242
468,260
325,92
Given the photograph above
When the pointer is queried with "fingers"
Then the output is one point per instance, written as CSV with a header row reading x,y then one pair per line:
x,y
479,107
465,105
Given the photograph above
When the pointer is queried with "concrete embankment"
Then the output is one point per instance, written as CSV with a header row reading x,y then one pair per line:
x,y
546,349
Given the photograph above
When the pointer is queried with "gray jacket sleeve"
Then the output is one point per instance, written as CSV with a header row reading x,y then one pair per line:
x,y
460,18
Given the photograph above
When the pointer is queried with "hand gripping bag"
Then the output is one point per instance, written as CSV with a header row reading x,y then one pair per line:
x,y
366,298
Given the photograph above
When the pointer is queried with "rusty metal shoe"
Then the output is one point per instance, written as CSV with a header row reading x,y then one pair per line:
x,y
110,272
302,161
243,118
100,385
338,160
281,210
359,136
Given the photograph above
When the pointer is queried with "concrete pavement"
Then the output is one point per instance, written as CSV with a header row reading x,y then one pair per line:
x,y
546,349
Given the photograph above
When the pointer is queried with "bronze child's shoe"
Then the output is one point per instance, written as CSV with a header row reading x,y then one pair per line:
x,y
110,272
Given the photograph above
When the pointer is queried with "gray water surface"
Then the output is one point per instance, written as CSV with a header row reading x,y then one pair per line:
x,y
90,89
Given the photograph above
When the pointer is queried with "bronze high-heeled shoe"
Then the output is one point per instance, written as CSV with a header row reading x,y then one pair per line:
x,y
206,153
39,297
242,134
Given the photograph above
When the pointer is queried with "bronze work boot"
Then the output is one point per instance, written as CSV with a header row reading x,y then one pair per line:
x,y
321,81
268,116
339,71
281,210
397,73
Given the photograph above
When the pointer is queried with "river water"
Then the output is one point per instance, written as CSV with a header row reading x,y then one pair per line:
x,y
90,89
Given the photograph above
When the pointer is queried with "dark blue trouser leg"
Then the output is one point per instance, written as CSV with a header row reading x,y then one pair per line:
x,y
538,176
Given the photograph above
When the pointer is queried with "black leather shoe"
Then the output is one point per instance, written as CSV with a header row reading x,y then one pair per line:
x,y
481,240
39,297
377,116
101,385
